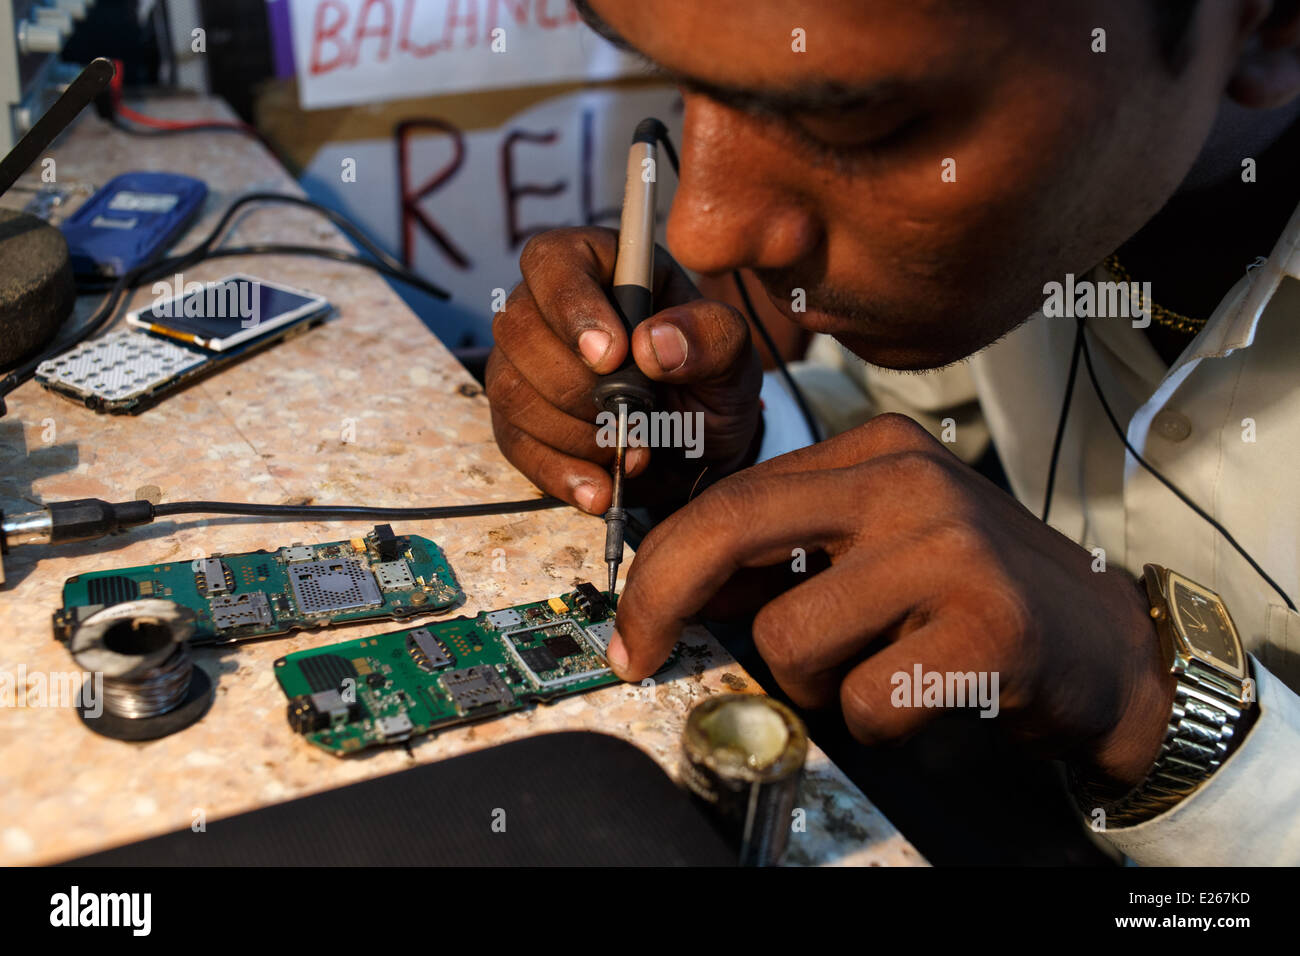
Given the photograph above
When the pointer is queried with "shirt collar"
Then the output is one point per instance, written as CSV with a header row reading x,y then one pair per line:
x,y
1233,324
1230,327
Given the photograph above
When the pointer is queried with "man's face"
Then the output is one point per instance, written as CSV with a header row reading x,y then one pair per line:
x,y
824,170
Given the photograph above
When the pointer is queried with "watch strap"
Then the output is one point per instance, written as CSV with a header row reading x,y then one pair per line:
x,y
1207,720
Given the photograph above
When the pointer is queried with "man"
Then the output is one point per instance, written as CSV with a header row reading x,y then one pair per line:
x,y
919,175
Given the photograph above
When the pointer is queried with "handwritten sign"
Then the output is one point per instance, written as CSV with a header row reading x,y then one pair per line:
x,y
465,200
364,51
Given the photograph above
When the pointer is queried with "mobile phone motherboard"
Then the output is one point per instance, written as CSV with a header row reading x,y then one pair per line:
x,y
236,597
349,697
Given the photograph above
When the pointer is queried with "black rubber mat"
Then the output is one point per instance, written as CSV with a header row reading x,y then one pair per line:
x,y
568,799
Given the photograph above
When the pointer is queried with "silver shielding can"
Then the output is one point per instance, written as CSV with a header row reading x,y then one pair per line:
x,y
743,755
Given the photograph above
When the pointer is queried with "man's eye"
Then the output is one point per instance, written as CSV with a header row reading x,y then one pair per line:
x,y
861,131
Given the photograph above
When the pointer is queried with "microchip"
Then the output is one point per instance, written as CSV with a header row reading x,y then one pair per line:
x,y
475,688
342,584
513,674
376,680
562,645
539,659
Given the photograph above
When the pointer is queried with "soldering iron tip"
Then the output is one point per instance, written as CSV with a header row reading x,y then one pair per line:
x,y
613,577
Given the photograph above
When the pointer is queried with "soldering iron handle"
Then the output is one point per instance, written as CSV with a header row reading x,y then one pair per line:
x,y
634,265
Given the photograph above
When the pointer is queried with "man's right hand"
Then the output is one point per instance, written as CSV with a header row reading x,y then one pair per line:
x,y
559,333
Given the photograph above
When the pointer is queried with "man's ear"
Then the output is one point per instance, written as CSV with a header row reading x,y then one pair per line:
x,y
1268,70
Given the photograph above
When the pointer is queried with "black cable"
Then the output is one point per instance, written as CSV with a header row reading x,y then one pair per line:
x,y
661,134
781,369
347,512
85,519
1114,422
1060,424
200,252
323,252
338,219
216,126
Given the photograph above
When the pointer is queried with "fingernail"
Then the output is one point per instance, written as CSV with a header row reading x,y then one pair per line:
x,y
593,344
669,345
585,494
637,457
616,653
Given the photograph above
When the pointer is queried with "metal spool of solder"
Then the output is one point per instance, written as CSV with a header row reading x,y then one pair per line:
x,y
743,755
150,687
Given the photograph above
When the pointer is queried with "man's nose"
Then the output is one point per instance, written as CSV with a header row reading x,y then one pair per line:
x,y
735,206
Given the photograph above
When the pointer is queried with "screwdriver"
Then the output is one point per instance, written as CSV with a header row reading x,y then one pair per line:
x,y
627,390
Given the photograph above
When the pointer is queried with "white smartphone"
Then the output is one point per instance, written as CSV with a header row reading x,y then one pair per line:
x,y
218,316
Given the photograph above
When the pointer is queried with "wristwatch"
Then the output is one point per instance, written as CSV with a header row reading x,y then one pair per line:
x,y
1213,702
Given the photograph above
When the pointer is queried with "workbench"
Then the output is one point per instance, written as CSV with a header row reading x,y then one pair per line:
x,y
368,408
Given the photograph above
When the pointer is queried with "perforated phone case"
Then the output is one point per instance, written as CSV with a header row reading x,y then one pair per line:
x,y
119,366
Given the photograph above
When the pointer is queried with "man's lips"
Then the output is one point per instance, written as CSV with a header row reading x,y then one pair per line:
x,y
813,319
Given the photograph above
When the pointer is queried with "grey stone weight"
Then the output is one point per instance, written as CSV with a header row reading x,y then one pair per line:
x,y
37,290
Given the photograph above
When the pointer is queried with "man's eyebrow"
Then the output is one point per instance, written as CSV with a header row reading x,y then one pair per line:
x,y
812,96
594,20
806,97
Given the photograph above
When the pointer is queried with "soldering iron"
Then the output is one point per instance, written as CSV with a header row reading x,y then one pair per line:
x,y
627,390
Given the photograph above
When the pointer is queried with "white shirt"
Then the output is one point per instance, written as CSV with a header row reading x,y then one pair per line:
x,y
1222,424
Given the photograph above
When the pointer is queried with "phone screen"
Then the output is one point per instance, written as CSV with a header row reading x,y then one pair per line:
x,y
226,313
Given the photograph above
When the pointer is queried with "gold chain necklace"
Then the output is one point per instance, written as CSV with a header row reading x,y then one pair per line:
x,y
1159,314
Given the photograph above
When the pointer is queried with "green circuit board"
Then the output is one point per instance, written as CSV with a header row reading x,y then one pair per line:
x,y
348,697
237,597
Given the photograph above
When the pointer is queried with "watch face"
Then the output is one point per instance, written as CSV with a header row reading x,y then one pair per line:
x,y
1206,627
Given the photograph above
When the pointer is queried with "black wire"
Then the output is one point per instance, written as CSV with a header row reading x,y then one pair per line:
x,y
347,512
1060,424
781,369
1114,422
323,252
661,134
243,129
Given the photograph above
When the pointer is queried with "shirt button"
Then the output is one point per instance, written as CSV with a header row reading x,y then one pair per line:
x,y
1172,426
